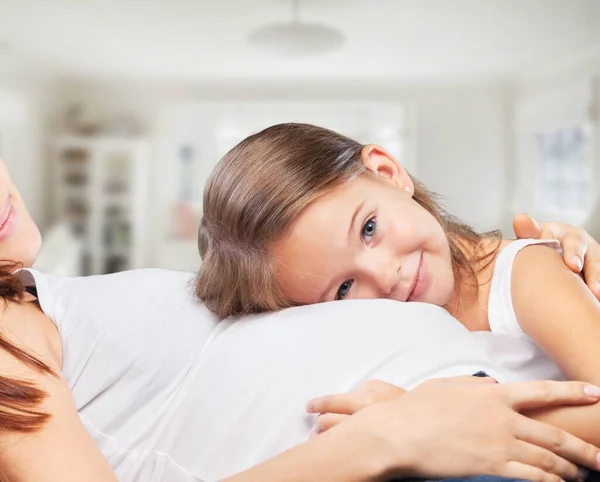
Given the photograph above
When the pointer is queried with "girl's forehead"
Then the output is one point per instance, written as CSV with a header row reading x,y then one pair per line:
x,y
330,216
352,188
305,264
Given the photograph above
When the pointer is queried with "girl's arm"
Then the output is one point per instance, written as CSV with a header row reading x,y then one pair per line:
x,y
557,310
61,450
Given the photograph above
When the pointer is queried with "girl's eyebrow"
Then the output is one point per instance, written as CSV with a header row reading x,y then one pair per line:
x,y
323,297
351,230
352,227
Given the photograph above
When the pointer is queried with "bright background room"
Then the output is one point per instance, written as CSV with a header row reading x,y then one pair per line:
x,y
113,113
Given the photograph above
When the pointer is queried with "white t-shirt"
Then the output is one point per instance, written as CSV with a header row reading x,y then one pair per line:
x,y
170,394
508,345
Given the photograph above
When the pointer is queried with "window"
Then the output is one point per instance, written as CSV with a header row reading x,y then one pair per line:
x,y
565,175
554,169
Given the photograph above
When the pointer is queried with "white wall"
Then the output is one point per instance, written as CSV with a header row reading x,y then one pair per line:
x,y
461,129
464,152
25,107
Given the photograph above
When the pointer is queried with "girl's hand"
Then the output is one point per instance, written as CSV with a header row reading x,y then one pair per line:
x,y
445,428
581,252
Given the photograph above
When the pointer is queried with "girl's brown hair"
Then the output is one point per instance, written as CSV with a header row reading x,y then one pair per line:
x,y
260,187
19,399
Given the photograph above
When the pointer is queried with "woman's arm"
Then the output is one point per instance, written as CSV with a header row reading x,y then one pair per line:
x,y
61,450
442,428
556,309
338,455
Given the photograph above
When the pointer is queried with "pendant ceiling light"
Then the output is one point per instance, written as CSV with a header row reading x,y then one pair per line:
x,y
297,38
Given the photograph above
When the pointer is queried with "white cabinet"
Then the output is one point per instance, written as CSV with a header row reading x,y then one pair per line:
x,y
100,191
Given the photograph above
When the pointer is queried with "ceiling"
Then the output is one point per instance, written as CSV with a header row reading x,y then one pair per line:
x,y
407,40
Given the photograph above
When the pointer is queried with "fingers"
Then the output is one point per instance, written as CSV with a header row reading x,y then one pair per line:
x,y
470,379
520,471
557,441
553,231
575,249
574,243
591,270
540,394
546,460
372,391
525,226
328,420
345,404
375,391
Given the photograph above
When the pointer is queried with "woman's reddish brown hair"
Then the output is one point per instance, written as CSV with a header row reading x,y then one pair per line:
x,y
19,399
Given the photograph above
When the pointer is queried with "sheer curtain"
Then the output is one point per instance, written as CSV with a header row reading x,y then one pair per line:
x,y
556,152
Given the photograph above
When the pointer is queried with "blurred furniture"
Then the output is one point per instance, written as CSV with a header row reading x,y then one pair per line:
x,y
61,252
100,189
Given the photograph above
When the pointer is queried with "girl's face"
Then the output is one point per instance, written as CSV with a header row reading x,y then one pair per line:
x,y
366,239
20,238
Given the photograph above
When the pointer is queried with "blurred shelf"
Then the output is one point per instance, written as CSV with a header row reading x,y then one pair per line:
x,y
101,186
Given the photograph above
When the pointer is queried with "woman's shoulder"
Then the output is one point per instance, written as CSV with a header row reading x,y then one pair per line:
x,y
139,294
124,285
42,435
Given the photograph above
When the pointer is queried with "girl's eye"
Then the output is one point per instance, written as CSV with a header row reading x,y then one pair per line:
x,y
369,229
343,290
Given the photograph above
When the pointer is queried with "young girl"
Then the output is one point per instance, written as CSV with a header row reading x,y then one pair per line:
x,y
298,214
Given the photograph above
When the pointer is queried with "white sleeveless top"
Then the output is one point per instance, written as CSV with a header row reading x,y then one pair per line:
x,y
169,394
511,349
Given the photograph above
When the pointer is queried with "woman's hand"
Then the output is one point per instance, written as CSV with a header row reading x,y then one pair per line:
x,y
471,426
581,252
333,409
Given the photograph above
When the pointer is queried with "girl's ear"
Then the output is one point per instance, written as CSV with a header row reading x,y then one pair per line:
x,y
384,165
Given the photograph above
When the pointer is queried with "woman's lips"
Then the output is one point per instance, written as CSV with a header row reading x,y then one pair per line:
x,y
7,222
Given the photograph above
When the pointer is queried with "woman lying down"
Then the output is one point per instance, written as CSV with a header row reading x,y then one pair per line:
x,y
129,377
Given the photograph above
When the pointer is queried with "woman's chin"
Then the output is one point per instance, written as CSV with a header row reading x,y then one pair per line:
x,y
23,248
34,244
